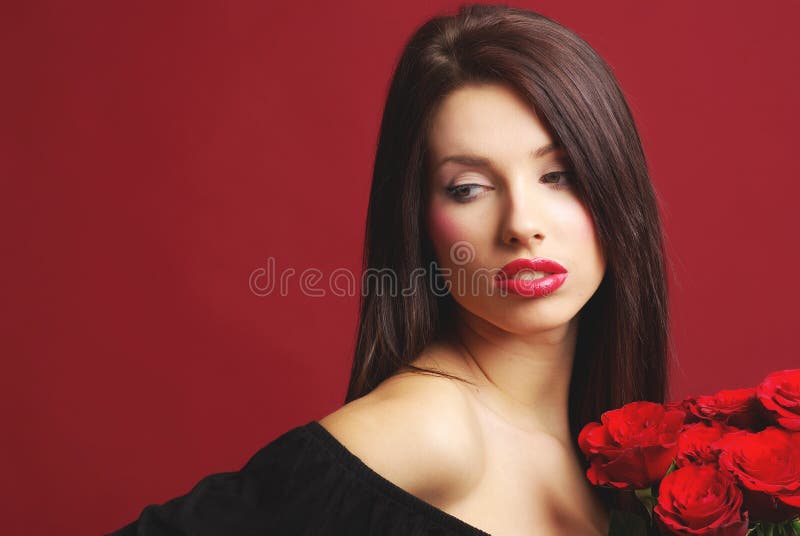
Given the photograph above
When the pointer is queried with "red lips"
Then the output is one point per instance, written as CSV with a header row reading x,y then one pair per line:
x,y
537,264
531,288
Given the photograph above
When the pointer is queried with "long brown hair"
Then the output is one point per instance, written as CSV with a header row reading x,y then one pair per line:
x,y
623,343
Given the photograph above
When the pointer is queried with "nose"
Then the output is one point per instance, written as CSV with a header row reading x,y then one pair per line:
x,y
522,223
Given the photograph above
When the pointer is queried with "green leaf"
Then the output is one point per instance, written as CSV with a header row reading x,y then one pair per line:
x,y
672,467
645,496
781,528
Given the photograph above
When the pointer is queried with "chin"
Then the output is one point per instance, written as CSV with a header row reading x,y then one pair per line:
x,y
525,326
526,316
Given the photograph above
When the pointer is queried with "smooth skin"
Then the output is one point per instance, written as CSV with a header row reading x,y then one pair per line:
x,y
499,455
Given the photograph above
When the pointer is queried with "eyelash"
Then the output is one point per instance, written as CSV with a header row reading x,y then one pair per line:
x,y
451,190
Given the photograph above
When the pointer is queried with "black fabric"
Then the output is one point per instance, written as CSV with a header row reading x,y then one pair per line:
x,y
305,482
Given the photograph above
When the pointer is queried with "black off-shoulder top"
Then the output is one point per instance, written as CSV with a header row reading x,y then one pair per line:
x,y
304,482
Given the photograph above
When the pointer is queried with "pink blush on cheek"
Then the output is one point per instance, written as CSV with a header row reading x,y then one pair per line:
x,y
442,227
587,227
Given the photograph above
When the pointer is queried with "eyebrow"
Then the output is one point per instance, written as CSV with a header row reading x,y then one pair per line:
x,y
480,161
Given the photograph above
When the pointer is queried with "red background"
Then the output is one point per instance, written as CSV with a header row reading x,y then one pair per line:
x,y
154,154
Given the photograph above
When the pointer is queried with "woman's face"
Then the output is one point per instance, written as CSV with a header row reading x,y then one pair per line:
x,y
516,205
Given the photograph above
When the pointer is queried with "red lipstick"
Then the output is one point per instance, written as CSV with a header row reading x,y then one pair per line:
x,y
531,288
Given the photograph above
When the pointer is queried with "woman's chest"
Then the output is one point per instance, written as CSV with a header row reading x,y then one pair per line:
x,y
514,498
527,485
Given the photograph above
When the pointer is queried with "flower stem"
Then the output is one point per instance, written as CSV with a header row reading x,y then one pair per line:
x,y
645,496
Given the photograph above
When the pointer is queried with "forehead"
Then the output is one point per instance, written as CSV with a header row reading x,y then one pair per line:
x,y
488,119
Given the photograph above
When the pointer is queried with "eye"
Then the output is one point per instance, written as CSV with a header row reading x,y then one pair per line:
x,y
553,178
460,193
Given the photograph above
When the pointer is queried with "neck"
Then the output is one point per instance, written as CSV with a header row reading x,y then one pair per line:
x,y
523,378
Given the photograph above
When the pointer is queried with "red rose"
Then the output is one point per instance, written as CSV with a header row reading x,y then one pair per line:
x,y
700,500
734,407
779,393
633,447
685,405
767,464
695,444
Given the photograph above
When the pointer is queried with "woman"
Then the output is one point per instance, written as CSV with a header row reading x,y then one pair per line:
x,y
509,163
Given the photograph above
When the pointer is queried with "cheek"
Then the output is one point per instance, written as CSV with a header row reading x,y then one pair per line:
x,y
443,228
585,226
587,233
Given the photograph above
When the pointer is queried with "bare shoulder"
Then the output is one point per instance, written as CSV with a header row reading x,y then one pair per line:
x,y
417,431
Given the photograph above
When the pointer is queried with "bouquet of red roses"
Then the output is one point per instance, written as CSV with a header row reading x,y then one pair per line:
x,y
721,465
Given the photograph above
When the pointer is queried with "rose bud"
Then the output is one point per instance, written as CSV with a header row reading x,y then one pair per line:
x,y
779,393
633,447
767,464
700,500
685,405
696,443
735,407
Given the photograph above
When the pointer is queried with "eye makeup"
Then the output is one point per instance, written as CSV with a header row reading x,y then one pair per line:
x,y
460,193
